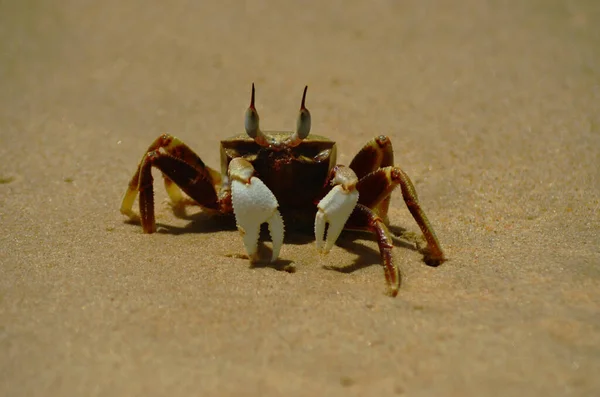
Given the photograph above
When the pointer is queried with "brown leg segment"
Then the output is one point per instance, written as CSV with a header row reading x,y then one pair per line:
x,y
363,218
176,148
374,165
377,186
195,183
377,153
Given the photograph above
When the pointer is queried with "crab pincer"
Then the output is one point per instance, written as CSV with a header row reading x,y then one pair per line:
x,y
335,208
254,204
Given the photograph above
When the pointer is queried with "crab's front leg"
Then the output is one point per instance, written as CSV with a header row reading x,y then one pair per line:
x,y
335,208
254,204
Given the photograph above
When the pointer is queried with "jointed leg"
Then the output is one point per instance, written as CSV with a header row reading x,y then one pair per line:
x,y
363,218
177,149
378,186
194,183
377,153
181,169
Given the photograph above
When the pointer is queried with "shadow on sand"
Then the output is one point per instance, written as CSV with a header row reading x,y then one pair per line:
x,y
299,234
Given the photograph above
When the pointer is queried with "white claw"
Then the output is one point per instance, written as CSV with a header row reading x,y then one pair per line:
x,y
253,205
335,208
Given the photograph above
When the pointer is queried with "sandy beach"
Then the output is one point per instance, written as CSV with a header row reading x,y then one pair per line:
x,y
493,109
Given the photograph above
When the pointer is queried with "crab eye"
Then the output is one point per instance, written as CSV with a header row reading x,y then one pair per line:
x,y
251,119
303,124
251,123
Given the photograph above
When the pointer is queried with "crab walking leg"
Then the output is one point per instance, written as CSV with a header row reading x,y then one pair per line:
x,y
335,208
363,218
194,183
378,186
377,153
254,204
176,148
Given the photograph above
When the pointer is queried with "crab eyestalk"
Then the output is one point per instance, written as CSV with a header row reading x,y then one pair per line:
x,y
302,125
252,123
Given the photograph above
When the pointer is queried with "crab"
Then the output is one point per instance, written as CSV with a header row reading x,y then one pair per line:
x,y
267,173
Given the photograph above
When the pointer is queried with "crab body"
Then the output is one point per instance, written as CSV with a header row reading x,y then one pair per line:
x,y
283,171
263,173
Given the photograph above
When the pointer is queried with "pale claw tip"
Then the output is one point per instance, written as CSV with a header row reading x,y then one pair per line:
x,y
254,204
335,209
277,230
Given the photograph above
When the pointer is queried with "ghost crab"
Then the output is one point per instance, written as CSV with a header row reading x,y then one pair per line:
x,y
262,172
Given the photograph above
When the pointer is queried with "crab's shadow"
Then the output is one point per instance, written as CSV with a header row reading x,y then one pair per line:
x,y
200,222
351,241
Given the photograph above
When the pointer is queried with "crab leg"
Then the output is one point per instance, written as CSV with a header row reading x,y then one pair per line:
x,y
377,187
335,208
177,149
377,153
253,205
196,184
363,218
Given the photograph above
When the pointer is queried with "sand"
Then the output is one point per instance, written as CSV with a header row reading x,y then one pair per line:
x,y
493,108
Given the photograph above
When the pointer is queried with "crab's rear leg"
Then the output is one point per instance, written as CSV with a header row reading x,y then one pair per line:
x,y
254,204
177,149
377,187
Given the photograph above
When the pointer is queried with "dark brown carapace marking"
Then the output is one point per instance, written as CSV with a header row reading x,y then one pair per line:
x,y
290,173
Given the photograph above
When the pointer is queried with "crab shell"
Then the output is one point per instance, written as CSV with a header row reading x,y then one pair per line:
x,y
264,179
295,175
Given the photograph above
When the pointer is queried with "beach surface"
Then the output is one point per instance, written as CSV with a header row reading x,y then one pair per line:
x,y
493,109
